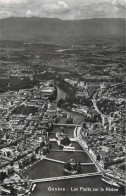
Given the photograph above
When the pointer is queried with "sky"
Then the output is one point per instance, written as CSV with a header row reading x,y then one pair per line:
x,y
63,9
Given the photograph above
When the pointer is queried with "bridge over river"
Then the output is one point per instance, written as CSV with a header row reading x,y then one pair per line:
x,y
65,177
62,162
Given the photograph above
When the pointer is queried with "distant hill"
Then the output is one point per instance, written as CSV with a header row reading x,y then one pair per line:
x,y
35,28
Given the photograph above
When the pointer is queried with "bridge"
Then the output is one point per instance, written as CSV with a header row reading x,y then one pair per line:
x,y
65,177
55,150
55,140
62,162
65,125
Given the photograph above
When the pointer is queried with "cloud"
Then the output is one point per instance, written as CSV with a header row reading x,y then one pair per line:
x,y
64,9
7,1
41,8
58,7
119,3
112,9
13,2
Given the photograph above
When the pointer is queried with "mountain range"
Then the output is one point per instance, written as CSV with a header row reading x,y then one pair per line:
x,y
25,28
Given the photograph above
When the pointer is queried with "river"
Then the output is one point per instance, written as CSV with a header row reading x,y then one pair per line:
x,y
77,117
60,94
89,186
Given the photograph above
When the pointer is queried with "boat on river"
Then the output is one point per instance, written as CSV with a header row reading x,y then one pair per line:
x,y
70,172
69,148
33,187
111,182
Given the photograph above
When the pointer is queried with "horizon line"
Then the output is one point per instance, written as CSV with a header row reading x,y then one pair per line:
x,y
62,19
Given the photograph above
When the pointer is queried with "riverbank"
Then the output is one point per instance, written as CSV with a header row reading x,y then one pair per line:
x,y
99,167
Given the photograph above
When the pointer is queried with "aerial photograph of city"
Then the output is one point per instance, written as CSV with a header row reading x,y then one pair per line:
x,y
62,97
